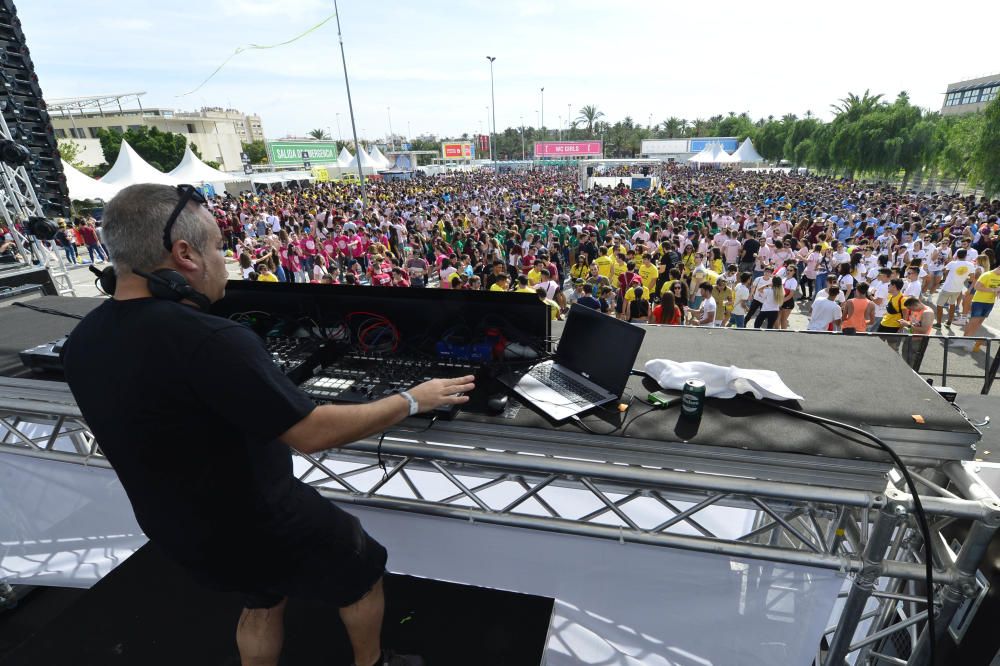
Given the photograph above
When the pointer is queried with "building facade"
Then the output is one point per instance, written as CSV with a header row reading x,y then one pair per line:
x,y
969,96
219,134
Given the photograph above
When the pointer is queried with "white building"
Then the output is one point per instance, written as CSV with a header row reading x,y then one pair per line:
x,y
217,133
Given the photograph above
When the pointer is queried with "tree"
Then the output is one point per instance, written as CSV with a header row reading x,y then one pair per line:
x,y
319,135
674,127
70,151
163,150
589,115
853,107
986,156
256,151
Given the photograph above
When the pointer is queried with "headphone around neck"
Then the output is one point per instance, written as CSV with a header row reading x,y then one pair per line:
x,y
163,283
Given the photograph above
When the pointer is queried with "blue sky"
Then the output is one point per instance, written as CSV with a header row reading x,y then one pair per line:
x,y
427,60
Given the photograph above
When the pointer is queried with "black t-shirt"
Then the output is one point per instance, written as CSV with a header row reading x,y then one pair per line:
x,y
187,407
750,249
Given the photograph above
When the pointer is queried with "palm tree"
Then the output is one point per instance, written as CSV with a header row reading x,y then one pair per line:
x,y
853,107
589,115
319,134
674,126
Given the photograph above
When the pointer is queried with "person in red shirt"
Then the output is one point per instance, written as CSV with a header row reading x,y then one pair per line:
x,y
90,239
666,311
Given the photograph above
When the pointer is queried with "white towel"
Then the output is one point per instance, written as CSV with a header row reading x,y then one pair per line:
x,y
720,381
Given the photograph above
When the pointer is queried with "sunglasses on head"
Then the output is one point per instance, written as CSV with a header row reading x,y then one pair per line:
x,y
188,194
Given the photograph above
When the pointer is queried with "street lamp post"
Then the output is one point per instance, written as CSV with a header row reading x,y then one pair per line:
x,y
392,140
493,103
350,107
542,123
488,130
340,135
522,138
567,119
560,127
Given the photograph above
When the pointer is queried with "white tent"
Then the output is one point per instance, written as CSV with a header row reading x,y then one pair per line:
x,y
747,153
366,161
712,153
193,170
345,157
82,187
130,169
378,157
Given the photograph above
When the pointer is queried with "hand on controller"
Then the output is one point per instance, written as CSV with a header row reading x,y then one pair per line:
x,y
431,395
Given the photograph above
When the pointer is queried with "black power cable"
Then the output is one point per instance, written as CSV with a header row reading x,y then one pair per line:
x,y
917,505
47,310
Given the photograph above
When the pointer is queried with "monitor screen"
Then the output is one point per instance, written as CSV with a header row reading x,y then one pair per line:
x,y
599,347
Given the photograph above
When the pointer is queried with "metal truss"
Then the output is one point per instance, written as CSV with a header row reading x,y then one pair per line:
x,y
515,477
18,202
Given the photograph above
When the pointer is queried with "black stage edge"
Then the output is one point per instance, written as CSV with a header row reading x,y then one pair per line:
x,y
13,276
23,329
149,612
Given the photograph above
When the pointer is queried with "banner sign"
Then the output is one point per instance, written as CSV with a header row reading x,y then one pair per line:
x,y
568,148
290,153
698,145
457,150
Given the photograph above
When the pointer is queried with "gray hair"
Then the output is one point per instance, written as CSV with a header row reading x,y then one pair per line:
x,y
134,221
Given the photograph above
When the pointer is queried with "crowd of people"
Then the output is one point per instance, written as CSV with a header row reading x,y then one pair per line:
x,y
705,247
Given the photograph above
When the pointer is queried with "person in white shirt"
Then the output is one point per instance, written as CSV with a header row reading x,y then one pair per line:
x,y
913,283
826,311
741,301
879,292
706,314
955,275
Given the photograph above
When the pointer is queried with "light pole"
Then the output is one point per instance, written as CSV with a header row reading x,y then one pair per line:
x,y
488,130
493,103
560,127
567,119
340,135
542,123
350,106
392,141
522,138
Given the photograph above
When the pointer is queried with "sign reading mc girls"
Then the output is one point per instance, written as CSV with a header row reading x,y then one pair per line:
x,y
568,149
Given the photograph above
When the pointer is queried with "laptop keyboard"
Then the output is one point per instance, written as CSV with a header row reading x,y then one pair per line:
x,y
573,390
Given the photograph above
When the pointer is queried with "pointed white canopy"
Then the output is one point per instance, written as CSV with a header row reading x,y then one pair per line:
x,y
706,154
366,160
712,153
130,169
378,157
193,170
747,153
82,187
345,157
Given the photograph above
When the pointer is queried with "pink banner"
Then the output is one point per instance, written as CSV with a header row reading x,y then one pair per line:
x,y
568,149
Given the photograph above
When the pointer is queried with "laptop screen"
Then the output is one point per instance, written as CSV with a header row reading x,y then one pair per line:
x,y
599,347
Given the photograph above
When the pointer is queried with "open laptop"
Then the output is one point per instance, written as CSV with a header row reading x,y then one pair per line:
x,y
590,368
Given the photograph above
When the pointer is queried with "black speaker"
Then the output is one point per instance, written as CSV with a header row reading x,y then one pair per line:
x,y
590,171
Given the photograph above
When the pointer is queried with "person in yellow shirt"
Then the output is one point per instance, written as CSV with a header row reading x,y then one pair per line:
x,y
535,274
502,283
605,265
648,273
553,306
987,287
522,285
264,273
620,266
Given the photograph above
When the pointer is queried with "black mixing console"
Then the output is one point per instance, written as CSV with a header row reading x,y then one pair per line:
x,y
361,378
296,357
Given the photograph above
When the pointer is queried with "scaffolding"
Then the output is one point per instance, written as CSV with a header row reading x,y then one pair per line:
x,y
849,516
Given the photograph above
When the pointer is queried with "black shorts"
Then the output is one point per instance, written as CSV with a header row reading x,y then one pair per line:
x,y
337,571
788,305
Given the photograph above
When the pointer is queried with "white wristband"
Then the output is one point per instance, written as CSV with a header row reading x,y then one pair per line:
x,y
414,407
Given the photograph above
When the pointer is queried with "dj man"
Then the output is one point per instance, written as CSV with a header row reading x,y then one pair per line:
x,y
197,421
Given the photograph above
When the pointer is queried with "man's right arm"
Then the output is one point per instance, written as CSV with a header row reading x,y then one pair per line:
x,y
332,426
